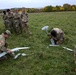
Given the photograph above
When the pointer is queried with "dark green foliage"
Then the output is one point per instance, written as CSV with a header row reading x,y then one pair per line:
x,y
47,8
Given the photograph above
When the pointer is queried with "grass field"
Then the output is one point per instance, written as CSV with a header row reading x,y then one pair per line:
x,y
45,60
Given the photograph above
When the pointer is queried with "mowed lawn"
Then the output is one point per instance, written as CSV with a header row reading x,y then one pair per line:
x,y
42,59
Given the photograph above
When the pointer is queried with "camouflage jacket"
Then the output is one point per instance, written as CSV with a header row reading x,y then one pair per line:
x,y
2,43
60,33
10,16
24,17
17,16
5,17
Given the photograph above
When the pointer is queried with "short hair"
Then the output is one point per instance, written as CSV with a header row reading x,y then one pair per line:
x,y
54,33
7,32
8,10
4,12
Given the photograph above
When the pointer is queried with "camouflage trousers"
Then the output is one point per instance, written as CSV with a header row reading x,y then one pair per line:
x,y
25,27
10,25
6,24
17,26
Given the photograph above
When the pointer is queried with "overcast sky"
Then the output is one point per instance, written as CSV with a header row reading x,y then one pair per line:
x,y
33,3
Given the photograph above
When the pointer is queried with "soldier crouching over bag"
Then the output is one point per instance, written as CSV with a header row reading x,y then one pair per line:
x,y
56,35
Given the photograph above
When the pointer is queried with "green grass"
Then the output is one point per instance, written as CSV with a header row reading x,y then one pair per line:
x,y
44,61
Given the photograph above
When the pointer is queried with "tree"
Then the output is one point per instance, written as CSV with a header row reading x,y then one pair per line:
x,y
58,8
67,7
54,9
73,7
61,8
48,8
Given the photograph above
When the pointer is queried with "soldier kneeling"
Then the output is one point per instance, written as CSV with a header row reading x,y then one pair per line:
x,y
56,36
3,44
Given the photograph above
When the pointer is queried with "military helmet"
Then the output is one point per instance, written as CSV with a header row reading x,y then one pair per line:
x,y
8,32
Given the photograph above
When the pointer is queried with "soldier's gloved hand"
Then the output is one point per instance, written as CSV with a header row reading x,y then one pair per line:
x,y
9,51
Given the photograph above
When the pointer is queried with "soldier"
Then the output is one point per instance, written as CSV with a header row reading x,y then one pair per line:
x,y
24,18
5,19
75,57
10,19
56,35
17,22
75,54
3,46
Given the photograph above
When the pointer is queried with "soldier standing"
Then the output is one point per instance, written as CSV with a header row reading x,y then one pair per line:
x,y
75,57
10,19
5,19
17,21
75,54
24,18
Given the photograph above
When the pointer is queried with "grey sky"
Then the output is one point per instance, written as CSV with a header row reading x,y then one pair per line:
x,y
33,3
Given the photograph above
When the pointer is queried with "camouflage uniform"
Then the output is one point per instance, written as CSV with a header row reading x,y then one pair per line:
x,y
24,18
2,43
5,21
17,21
75,54
59,35
3,47
10,21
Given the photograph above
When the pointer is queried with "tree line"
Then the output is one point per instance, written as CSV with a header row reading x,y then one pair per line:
x,y
50,8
